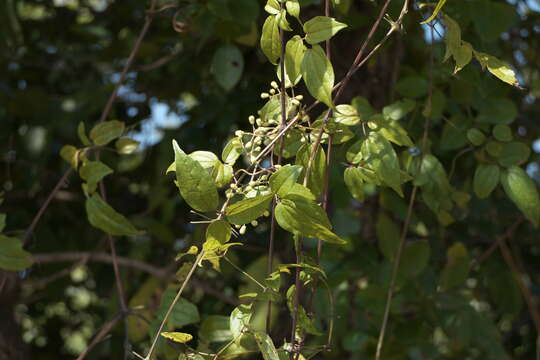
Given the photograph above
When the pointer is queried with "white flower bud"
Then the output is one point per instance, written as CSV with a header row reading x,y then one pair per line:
x,y
272,92
295,102
265,95
274,84
242,230
259,122
254,223
251,119
248,145
266,213
257,149
299,97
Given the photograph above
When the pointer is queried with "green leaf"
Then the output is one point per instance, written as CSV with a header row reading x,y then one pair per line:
x,y
126,146
183,313
70,154
272,7
462,55
207,159
81,131
222,174
239,320
318,167
2,221
12,255
293,8
266,346
102,216
355,184
282,181
318,74
521,189
321,28
346,115
415,258
215,328
476,137
412,86
497,67
381,157
93,172
270,41
178,337
457,266
107,131
227,66
283,23
513,153
196,185
302,191
438,8
497,110
363,107
502,132
247,210
486,178
354,153
232,151
219,230
398,109
294,54
301,216
388,235
392,131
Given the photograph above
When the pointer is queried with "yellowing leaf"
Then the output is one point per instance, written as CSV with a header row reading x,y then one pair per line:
x,y
497,67
178,337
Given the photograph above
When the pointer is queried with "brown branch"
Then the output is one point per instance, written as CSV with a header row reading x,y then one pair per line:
x,y
508,234
518,275
166,273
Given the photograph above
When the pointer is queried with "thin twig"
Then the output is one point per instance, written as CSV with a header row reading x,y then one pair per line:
x,y
43,207
390,294
105,329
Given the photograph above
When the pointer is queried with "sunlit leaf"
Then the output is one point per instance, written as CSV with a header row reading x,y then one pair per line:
x,y
282,181
178,337
521,189
247,210
196,185
321,28
270,41
107,131
318,74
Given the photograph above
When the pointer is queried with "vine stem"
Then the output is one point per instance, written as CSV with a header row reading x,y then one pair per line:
x,y
173,303
395,268
283,104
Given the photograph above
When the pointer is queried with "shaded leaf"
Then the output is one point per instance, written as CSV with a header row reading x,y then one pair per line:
x,y
102,216
227,66
12,255
486,178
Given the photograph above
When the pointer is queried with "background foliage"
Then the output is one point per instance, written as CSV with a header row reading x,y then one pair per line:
x,y
196,78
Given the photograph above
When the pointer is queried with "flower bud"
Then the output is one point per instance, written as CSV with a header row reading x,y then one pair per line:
x,y
272,92
295,102
251,119
242,230
266,213
265,95
274,84
299,97
238,133
254,223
